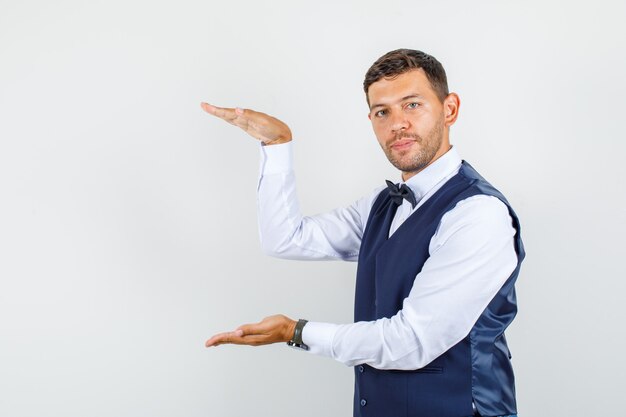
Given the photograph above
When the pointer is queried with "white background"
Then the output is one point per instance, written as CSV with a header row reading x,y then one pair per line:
x,y
128,222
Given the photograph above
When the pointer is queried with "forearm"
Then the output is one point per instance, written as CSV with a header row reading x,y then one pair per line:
x,y
388,343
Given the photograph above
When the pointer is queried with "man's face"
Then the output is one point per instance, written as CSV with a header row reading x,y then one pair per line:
x,y
408,120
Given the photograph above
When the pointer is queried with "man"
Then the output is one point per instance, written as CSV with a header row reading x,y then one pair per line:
x,y
438,256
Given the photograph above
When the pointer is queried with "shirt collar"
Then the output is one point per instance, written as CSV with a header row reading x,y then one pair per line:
x,y
422,182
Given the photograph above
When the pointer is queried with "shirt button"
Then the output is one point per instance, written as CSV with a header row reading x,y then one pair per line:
x,y
363,402
361,369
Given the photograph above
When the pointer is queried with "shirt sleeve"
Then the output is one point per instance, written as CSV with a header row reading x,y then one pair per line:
x,y
472,254
286,233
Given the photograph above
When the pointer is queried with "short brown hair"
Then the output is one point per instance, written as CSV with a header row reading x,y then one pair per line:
x,y
398,62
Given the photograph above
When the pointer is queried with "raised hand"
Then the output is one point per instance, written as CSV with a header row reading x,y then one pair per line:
x,y
261,126
273,329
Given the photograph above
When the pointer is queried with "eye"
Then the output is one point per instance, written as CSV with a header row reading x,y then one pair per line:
x,y
413,105
380,113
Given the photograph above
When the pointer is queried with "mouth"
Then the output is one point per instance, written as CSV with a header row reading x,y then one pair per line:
x,y
402,144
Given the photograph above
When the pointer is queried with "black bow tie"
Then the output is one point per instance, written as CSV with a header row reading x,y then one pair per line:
x,y
397,193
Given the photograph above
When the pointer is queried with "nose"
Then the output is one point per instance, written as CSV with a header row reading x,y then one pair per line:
x,y
399,122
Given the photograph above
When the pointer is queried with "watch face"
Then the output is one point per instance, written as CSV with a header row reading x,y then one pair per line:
x,y
295,345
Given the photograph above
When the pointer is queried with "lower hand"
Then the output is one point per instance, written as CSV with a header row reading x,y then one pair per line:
x,y
273,329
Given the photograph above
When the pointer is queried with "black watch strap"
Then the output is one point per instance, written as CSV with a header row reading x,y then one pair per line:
x,y
296,339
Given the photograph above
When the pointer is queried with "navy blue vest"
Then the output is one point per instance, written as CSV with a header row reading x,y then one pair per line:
x,y
478,368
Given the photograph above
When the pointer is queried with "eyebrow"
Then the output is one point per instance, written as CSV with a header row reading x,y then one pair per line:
x,y
402,99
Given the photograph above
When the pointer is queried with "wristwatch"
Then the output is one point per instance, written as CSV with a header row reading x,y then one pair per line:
x,y
296,339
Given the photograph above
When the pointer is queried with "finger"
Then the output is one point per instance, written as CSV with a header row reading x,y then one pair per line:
x,y
221,338
252,329
236,117
255,340
252,340
222,112
216,339
207,107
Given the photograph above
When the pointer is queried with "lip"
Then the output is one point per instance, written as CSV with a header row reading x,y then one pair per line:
x,y
402,144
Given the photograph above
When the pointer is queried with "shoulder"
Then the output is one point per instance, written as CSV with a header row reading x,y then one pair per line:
x,y
479,218
479,207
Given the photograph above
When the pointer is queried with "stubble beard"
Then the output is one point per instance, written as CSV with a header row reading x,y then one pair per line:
x,y
428,148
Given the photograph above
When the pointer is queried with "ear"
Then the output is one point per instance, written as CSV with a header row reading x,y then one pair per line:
x,y
451,106
369,116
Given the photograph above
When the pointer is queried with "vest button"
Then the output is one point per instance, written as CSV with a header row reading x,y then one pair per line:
x,y
363,402
361,368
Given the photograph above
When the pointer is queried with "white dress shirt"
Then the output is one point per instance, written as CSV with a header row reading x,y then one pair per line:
x,y
472,254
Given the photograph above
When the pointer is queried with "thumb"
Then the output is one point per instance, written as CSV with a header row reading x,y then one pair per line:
x,y
249,329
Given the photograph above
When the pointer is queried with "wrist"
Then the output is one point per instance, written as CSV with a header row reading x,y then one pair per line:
x,y
277,141
296,338
291,330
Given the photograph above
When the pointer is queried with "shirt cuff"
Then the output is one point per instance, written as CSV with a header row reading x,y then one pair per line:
x,y
319,337
276,159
